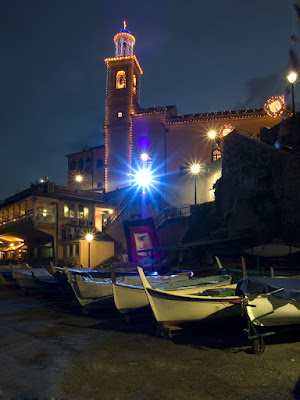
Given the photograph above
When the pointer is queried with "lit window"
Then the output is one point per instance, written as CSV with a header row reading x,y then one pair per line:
x,y
134,84
121,80
120,114
5,215
69,210
216,154
83,212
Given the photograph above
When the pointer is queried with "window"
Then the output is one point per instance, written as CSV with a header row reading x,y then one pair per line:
x,y
77,249
216,154
88,164
69,210
65,251
121,80
99,163
11,213
45,212
47,252
5,215
134,84
23,208
99,185
83,212
80,164
16,211
70,250
73,165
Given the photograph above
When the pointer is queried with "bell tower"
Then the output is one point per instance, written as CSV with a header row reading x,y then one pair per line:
x,y
122,101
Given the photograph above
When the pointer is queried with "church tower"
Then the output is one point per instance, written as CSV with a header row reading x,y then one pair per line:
x,y
122,101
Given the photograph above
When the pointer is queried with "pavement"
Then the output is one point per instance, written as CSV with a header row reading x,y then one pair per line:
x,y
50,350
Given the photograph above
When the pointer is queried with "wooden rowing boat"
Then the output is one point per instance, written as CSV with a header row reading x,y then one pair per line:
x,y
176,309
132,298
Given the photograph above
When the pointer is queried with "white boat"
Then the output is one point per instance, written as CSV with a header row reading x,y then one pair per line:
x,y
173,310
130,298
97,292
27,278
272,301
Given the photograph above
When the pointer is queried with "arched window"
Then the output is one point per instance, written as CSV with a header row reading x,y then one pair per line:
x,y
121,80
73,165
80,164
134,84
216,154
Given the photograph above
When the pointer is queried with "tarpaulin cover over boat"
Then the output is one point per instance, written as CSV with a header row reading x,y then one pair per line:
x,y
285,288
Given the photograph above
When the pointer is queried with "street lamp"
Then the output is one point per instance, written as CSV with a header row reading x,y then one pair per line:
x,y
78,178
292,78
89,238
195,169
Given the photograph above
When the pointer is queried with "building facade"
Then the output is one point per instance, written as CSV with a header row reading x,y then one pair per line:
x,y
49,223
170,141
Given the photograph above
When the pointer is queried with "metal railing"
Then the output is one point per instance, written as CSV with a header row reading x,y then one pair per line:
x,y
172,213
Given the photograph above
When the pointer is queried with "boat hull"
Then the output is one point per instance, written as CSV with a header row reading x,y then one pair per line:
x,y
268,310
175,309
130,298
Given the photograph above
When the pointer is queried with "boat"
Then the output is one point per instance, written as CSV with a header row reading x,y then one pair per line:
x,y
174,310
97,292
30,279
271,301
131,298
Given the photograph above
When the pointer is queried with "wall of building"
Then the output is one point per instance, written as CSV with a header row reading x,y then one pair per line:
x,y
92,171
99,252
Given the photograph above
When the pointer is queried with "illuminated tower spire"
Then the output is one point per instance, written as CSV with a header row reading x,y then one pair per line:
x,y
124,41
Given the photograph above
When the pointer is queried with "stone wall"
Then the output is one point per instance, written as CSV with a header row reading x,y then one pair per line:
x,y
250,193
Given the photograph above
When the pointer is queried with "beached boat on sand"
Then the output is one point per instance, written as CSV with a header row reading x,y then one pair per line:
x,y
131,298
174,310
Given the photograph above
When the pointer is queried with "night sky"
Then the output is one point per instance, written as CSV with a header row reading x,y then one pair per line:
x,y
198,55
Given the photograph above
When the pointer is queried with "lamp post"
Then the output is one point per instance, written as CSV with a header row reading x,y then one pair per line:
x,y
195,169
292,78
89,238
